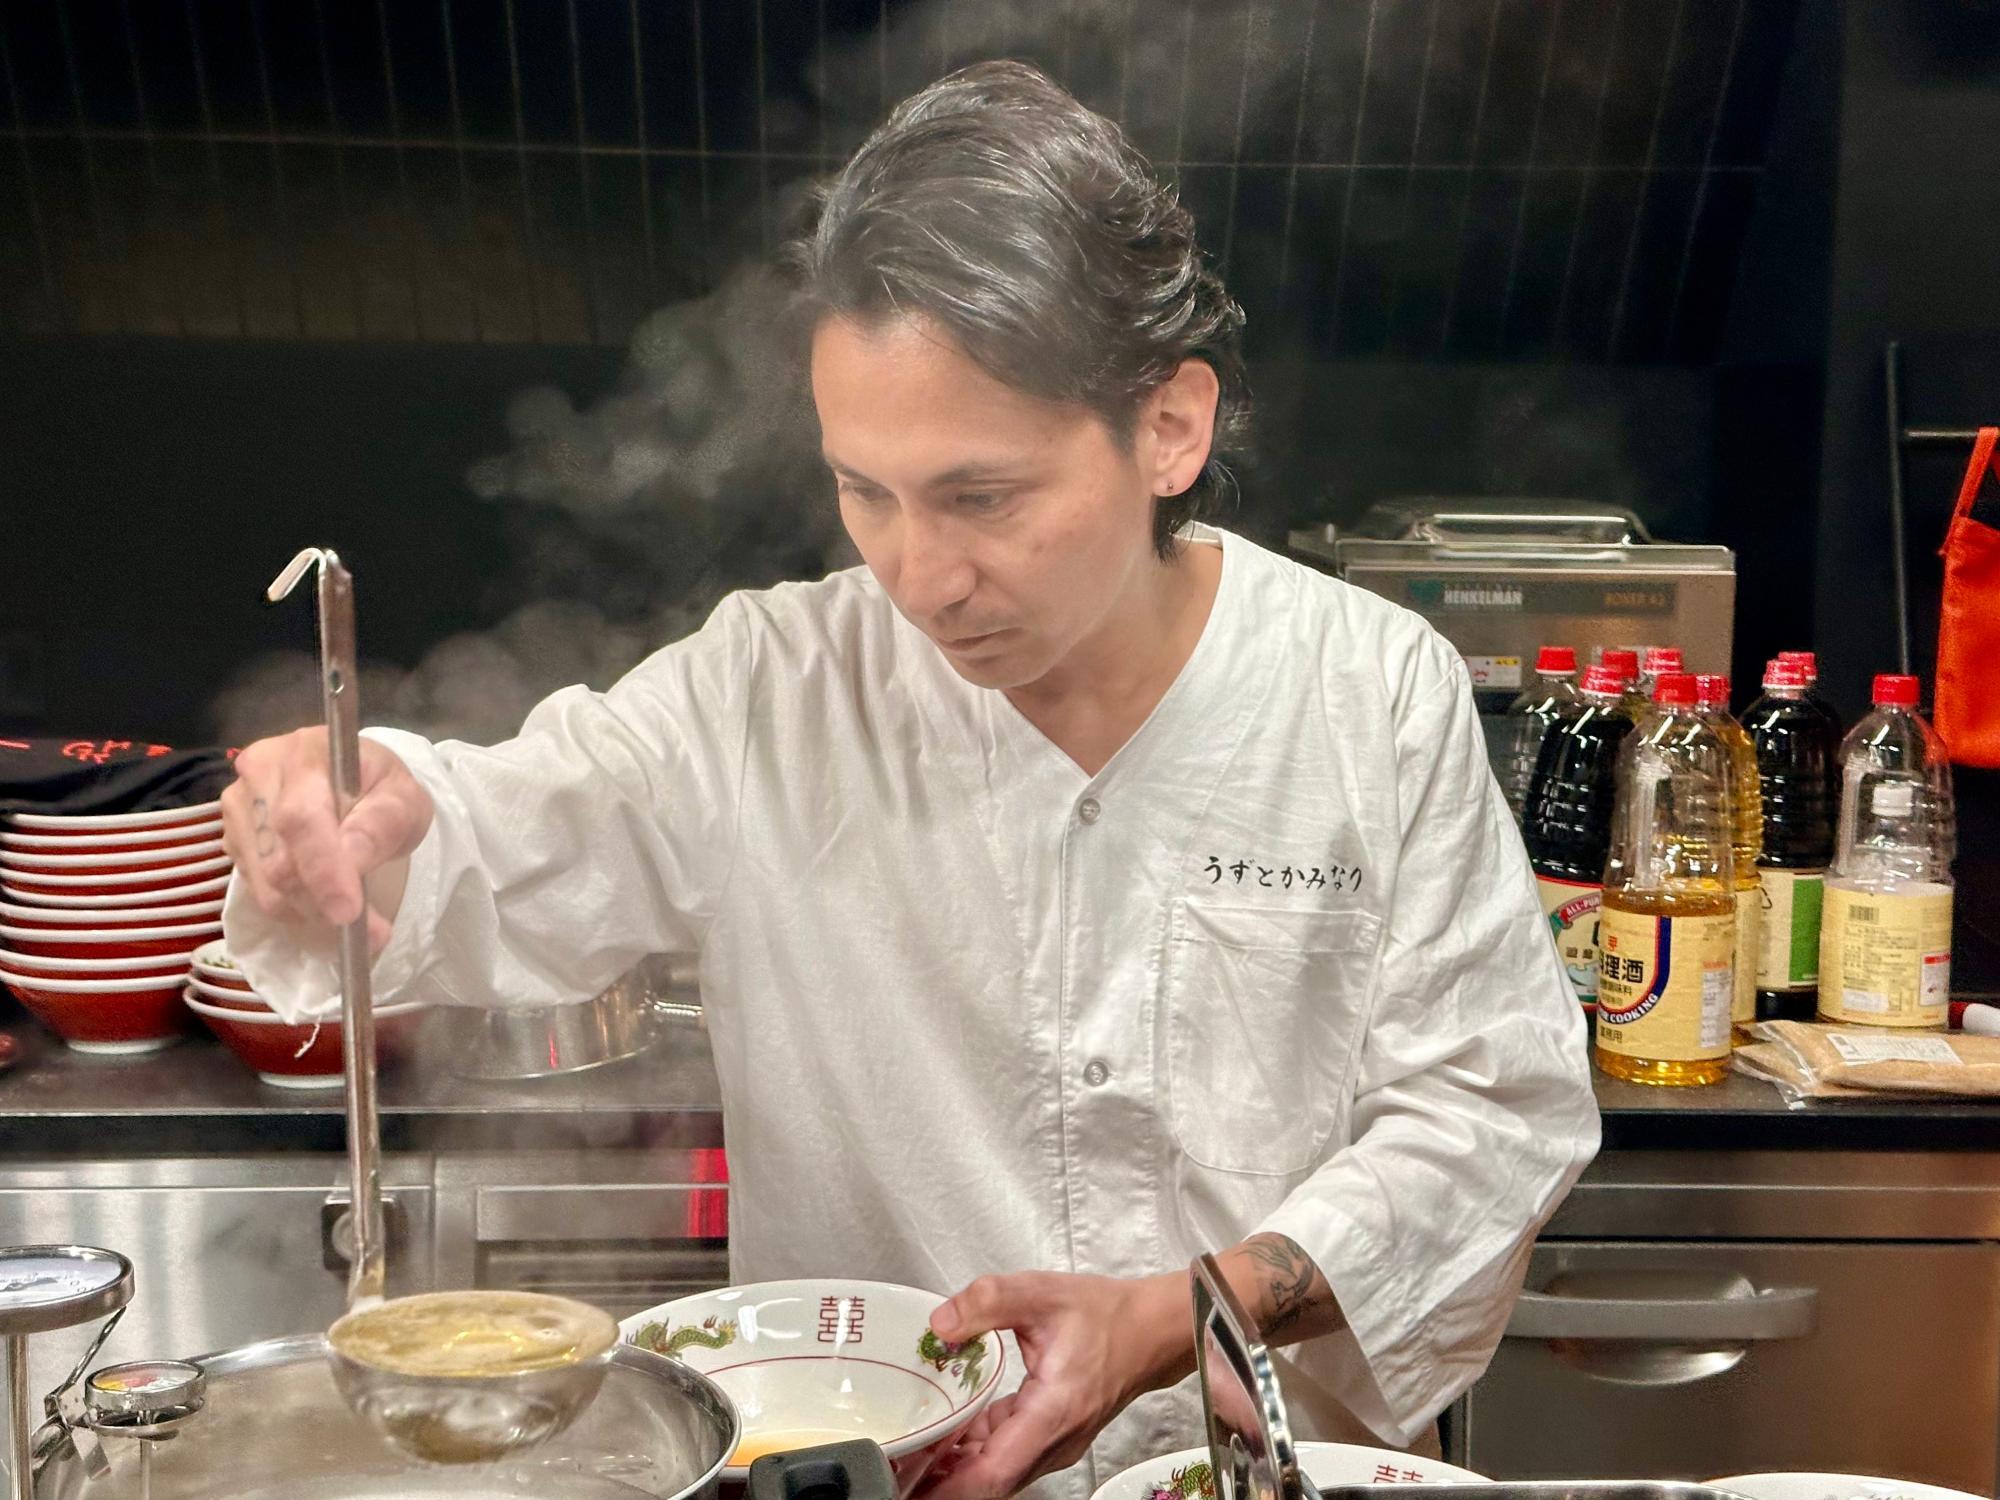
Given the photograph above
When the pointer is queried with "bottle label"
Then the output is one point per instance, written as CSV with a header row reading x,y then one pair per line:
x,y
1788,939
1743,957
1571,907
1666,989
1885,957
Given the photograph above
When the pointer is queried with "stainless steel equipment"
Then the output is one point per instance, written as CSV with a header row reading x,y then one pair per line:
x,y
1250,1440
273,1424
626,1019
1501,578
1693,1314
44,1288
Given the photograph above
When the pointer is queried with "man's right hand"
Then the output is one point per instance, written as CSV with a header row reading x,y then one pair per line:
x,y
302,863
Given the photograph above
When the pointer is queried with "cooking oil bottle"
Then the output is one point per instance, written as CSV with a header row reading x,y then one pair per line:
x,y
1885,936
1746,839
1667,933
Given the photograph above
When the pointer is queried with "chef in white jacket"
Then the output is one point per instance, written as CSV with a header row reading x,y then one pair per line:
x,y
1076,887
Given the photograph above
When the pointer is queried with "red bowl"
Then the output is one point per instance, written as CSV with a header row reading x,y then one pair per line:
x,y
87,824
174,895
138,841
25,885
19,862
214,966
40,967
72,919
130,942
228,998
296,1055
105,1015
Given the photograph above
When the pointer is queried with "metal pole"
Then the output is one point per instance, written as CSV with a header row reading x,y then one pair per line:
x,y
341,696
1891,360
20,1467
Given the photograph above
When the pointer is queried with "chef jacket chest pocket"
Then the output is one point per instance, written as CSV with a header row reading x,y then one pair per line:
x,y
1263,1011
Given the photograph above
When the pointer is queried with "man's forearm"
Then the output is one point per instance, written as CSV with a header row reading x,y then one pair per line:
x,y
1282,1288
1276,1281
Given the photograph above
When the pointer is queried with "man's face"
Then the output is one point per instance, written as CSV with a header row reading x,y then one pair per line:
x,y
1004,527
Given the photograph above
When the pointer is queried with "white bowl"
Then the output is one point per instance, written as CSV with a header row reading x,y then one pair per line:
x,y
66,916
199,869
44,863
1186,1475
810,1362
90,843
198,890
1809,1486
110,822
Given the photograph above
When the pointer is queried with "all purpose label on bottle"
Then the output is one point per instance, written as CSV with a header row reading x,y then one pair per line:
x,y
1666,989
1571,907
1788,940
1885,957
1743,960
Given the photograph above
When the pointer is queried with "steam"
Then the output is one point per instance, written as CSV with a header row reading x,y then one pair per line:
x,y
635,512
695,475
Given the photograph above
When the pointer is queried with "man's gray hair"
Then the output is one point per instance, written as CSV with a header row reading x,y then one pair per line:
x,y
1031,230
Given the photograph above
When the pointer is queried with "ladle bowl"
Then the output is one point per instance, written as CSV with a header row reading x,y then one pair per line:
x,y
471,1417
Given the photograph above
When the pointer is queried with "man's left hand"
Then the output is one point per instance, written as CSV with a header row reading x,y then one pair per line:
x,y
1090,1343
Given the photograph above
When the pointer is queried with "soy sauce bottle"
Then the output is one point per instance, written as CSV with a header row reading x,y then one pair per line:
x,y
1567,822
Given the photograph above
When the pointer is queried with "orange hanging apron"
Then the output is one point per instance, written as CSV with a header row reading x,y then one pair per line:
x,y
1968,661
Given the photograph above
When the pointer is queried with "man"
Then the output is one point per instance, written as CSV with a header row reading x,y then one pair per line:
x,y
1076,889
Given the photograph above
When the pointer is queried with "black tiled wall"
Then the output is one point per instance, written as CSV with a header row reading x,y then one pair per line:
x,y
1463,179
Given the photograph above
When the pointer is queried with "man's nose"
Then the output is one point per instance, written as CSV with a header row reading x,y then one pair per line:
x,y
934,570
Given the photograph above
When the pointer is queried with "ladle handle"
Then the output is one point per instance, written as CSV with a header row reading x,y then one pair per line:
x,y
340,697
340,691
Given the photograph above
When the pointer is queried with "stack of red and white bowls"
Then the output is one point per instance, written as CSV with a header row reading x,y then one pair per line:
x,y
289,1055
99,914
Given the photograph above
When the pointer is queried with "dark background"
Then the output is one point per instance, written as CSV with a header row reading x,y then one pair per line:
x,y
278,271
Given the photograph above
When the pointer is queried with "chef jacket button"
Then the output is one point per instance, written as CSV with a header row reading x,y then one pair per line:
x,y
1088,809
1096,1073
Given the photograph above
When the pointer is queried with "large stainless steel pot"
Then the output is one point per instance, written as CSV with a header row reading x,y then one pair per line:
x,y
626,1019
274,1426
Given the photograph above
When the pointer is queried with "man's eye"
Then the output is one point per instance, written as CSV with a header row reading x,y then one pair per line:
x,y
981,500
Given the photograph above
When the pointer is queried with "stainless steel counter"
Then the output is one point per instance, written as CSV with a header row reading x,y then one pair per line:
x,y
195,1097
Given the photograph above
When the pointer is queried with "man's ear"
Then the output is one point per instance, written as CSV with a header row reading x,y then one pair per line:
x,y
1177,426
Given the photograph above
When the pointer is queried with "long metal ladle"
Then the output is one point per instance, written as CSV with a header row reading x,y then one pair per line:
x,y
340,697
442,1419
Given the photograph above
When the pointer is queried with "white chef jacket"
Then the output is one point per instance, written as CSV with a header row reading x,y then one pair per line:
x,y
1278,966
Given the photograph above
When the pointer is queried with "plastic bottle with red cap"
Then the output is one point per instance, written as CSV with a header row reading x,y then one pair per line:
x,y
1567,822
1529,718
1746,825
1658,662
1798,759
1667,932
1885,939
1808,663
1625,662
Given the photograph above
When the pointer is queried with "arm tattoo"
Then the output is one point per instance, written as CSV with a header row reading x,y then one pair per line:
x,y
1287,1274
260,816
